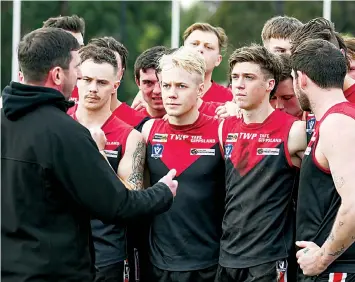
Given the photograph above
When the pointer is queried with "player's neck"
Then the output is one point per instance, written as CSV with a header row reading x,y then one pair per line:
x,y
115,103
325,100
188,118
155,113
258,114
96,118
348,82
199,103
207,83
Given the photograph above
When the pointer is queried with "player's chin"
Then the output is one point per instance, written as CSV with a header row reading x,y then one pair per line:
x,y
173,113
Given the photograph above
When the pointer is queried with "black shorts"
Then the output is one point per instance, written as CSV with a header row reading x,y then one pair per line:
x,y
267,272
328,277
111,273
203,275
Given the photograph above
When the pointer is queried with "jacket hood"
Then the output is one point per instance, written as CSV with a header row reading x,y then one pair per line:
x,y
20,99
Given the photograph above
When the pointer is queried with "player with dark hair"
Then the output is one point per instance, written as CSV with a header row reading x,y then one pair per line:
x,y
325,227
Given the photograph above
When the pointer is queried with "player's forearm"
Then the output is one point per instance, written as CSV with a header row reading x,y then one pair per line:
x,y
342,235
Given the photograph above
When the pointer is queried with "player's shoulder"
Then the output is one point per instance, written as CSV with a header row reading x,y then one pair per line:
x,y
147,126
336,122
231,122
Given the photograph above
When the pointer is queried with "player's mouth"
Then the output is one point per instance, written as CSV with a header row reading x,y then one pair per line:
x,y
92,98
172,105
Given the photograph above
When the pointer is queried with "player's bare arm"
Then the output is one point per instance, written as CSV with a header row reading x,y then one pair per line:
x,y
336,147
220,137
131,166
145,132
297,142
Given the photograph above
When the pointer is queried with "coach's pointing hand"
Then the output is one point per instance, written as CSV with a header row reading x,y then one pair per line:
x,y
168,180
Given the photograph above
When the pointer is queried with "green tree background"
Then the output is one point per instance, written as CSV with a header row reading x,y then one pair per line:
x,y
142,24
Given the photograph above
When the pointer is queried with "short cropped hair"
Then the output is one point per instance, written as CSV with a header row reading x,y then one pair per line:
x,y
350,45
72,23
269,63
99,55
218,31
43,49
187,59
148,59
279,27
114,45
286,67
321,61
318,28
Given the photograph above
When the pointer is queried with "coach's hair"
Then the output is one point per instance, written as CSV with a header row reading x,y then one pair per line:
x,y
218,31
99,55
114,45
148,59
279,27
43,49
69,23
350,45
269,63
286,67
187,59
321,61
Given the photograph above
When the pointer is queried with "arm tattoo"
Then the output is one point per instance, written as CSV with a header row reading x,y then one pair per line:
x,y
339,182
331,237
338,252
138,157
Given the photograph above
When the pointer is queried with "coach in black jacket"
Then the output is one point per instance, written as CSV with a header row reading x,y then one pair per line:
x,y
53,176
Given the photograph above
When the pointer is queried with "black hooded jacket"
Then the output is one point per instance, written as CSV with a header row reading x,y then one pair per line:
x,y
53,180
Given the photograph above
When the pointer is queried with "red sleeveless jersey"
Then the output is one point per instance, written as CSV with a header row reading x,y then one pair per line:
x,y
217,93
187,237
116,132
318,199
209,108
260,178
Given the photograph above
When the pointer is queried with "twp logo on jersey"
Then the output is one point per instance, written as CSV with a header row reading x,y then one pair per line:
x,y
232,137
160,137
157,151
228,150
268,151
179,137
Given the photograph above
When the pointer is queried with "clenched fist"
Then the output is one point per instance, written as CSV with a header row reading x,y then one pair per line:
x,y
99,137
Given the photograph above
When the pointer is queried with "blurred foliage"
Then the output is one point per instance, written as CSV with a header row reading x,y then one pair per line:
x,y
140,25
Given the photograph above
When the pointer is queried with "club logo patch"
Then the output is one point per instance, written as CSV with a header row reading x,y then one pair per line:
x,y
157,151
232,137
268,151
160,137
203,152
228,150
310,125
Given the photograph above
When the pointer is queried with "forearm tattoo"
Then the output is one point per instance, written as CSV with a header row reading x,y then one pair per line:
x,y
138,158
